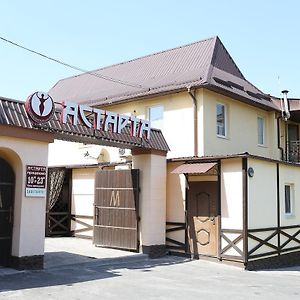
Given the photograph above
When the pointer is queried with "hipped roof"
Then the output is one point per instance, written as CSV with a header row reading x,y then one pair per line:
x,y
201,64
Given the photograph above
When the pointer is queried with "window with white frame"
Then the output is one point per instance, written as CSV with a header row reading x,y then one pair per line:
x,y
288,198
156,116
221,120
261,131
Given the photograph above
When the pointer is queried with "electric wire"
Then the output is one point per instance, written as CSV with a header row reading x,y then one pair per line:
x,y
72,66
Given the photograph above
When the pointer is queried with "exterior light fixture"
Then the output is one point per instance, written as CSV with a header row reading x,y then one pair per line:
x,y
250,172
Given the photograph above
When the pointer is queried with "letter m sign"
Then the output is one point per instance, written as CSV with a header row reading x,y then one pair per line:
x,y
115,199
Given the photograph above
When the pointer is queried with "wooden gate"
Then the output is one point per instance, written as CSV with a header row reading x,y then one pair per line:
x,y
58,217
116,209
7,190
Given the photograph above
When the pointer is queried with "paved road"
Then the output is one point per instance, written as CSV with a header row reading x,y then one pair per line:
x,y
137,277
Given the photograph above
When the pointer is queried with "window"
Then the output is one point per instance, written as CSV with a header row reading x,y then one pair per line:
x,y
221,120
288,199
261,131
156,116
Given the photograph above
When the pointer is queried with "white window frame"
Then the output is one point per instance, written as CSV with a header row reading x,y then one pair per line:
x,y
264,131
163,111
225,120
292,199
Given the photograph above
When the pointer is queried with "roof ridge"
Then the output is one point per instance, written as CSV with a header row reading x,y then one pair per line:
x,y
11,100
211,65
138,58
229,56
255,86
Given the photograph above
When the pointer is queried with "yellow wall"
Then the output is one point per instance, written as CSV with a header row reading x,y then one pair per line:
x,y
177,123
152,201
241,128
262,201
262,195
290,175
232,194
29,212
179,127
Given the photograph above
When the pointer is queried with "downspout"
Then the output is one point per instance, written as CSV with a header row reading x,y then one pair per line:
x,y
279,137
195,109
285,116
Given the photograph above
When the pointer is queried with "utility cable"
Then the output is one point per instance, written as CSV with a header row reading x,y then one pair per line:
x,y
73,67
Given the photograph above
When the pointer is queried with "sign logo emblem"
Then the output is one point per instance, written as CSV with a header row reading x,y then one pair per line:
x,y
40,107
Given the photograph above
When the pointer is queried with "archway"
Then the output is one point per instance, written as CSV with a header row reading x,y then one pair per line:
x,y
7,191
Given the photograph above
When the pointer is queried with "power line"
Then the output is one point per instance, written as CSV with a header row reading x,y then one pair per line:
x,y
71,66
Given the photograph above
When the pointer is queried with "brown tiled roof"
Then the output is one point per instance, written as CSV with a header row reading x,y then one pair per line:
x,y
294,103
202,64
13,113
193,168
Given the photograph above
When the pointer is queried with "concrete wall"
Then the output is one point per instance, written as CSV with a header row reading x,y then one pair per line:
x,y
152,198
29,213
83,192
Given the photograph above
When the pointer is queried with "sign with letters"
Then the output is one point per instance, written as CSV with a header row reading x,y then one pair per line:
x,y
40,107
35,181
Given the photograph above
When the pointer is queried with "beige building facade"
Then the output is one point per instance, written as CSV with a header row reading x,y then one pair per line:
x,y
29,190
216,175
22,216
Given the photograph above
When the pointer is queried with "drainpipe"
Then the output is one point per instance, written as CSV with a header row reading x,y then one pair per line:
x,y
195,121
278,138
285,116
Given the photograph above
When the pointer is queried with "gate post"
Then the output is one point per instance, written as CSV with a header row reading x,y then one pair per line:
x,y
152,205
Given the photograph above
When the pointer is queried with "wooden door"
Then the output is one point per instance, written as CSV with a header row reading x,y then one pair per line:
x,y
203,218
116,209
7,190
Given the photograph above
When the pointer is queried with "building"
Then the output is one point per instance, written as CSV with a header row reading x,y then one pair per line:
x,y
230,187
25,132
232,173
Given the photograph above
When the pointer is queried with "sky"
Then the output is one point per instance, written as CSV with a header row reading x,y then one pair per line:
x,y
262,36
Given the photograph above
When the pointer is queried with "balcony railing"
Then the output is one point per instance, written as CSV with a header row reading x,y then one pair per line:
x,y
293,151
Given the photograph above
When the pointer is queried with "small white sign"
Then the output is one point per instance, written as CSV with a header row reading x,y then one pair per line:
x,y
35,192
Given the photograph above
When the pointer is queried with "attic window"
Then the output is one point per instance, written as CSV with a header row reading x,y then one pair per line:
x,y
223,82
265,97
257,96
235,85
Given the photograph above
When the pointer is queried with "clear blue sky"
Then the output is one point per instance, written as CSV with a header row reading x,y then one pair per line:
x,y
263,37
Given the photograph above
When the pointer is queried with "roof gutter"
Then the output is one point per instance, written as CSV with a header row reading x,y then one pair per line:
x,y
195,109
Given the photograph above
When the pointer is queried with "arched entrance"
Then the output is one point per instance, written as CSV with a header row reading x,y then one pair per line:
x,y
7,190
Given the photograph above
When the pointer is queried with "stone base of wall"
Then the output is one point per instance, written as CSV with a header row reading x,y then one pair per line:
x,y
280,261
154,251
35,262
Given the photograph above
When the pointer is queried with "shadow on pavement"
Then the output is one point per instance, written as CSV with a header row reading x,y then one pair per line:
x,y
95,269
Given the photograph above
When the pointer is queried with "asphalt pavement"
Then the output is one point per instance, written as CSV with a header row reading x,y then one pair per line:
x,y
132,276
